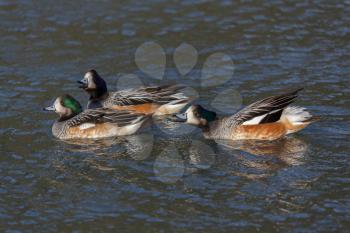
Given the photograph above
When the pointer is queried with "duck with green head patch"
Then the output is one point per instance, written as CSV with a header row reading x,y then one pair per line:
x,y
153,100
73,122
267,119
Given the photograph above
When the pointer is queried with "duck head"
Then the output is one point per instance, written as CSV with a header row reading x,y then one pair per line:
x,y
65,106
195,115
93,84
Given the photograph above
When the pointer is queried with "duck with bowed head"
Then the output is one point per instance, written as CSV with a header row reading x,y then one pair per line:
x,y
267,119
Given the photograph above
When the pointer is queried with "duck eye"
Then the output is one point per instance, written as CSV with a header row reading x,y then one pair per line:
x,y
196,113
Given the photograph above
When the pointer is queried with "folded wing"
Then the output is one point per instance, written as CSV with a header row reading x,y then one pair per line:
x,y
264,111
155,94
91,117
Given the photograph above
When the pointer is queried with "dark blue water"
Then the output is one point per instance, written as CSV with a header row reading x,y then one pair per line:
x,y
168,178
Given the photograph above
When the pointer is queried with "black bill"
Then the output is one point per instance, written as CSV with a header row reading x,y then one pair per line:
x,y
50,108
83,83
181,117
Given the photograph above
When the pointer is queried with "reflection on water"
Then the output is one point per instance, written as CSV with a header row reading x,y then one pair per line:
x,y
138,146
290,150
258,159
267,157
298,184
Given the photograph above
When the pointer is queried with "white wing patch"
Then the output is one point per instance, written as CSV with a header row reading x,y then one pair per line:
x,y
86,126
255,120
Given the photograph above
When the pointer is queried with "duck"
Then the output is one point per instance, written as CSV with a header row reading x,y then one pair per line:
x,y
74,123
267,119
151,100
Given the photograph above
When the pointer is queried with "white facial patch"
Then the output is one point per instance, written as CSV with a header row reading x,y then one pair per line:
x,y
90,81
191,118
58,106
87,75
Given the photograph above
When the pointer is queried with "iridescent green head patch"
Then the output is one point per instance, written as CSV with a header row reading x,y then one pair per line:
x,y
206,114
71,103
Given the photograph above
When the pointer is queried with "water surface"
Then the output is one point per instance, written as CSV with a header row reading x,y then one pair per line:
x,y
159,181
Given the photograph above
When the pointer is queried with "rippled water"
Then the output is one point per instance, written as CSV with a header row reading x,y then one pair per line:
x,y
164,180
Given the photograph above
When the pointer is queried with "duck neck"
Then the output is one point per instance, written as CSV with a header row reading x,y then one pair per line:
x,y
67,115
205,127
98,94
64,118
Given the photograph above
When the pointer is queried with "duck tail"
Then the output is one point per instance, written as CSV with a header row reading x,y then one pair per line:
x,y
296,118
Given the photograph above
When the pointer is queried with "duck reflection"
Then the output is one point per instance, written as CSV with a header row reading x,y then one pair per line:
x,y
250,159
260,159
289,150
138,147
90,159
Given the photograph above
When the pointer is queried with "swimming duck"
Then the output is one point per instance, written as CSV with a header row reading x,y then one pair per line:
x,y
156,100
73,122
267,119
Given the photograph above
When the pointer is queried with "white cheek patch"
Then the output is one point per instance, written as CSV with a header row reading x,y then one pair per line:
x,y
58,107
189,110
90,81
191,119
86,126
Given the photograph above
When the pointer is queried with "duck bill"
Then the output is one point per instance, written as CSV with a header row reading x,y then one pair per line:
x,y
182,117
50,108
82,84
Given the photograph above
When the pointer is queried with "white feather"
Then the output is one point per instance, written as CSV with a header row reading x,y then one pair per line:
x,y
170,108
86,126
179,96
130,129
296,115
256,120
